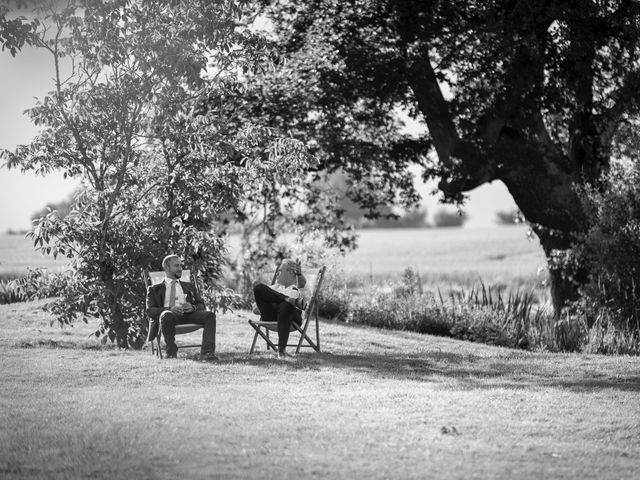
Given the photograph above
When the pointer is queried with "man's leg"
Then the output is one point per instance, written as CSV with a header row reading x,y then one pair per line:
x,y
286,314
168,322
208,319
266,300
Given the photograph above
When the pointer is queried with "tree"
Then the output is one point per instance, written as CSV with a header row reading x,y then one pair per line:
x,y
447,218
158,173
512,217
530,93
416,218
612,246
62,208
18,31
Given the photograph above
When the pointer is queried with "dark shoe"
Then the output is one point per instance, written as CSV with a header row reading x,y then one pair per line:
x,y
154,327
172,353
208,356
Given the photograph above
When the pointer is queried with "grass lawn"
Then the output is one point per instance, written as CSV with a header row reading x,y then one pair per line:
x,y
374,404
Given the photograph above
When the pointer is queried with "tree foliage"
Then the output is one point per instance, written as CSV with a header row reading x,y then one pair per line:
x,y
530,93
612,246
447,218
158,172
15,30
512,217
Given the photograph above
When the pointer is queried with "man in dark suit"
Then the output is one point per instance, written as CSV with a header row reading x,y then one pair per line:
x,y
174,302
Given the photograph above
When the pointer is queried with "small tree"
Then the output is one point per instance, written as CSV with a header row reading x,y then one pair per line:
x,y
416,218
512,217
447,218
158,172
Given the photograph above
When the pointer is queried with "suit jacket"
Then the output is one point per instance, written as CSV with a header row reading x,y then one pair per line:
x,y
156,293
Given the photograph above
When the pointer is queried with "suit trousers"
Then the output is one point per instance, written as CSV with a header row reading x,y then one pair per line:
x,y
169,320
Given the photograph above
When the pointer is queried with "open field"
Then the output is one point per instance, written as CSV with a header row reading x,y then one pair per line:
x,y
499,254
492,252
17,253
374,404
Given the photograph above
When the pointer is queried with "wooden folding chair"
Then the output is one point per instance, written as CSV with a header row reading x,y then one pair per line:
x,y
153,278
311,313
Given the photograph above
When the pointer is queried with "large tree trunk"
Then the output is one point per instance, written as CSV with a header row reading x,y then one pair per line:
x,y
512,145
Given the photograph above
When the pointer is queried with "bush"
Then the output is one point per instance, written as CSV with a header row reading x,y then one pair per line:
x,y
482,314
334,299
36,284
446,218
611,249
9,293
605,338
478,315
513,217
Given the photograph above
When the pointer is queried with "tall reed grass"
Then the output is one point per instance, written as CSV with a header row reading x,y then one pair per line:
x,y
480,313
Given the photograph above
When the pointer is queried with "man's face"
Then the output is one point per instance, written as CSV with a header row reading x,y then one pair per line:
x,y
173,268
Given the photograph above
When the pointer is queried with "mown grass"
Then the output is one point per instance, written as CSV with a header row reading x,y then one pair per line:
x,y
374,404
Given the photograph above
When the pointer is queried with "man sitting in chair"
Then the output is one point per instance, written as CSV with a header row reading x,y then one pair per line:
x,y
173,302
282,302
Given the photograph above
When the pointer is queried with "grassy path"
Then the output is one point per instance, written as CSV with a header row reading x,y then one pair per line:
x,y
376,404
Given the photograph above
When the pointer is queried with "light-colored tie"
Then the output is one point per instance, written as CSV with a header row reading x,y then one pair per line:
x,y
172,294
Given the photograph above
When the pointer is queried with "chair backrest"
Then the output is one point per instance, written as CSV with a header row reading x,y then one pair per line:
x,y
315,280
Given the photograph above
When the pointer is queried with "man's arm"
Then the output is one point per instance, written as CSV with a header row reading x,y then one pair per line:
x,y
153,309
196,299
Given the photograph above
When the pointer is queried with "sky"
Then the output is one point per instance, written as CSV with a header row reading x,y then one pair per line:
x,y
29,76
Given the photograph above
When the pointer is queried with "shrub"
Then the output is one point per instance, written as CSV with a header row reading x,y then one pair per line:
x,y
37,283
9,293
605,338
512,217
334,298
412,313
446,218
480,314
611,249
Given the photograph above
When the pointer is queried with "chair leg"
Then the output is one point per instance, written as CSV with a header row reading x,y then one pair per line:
x,y
316,311
259,331
159,349
253,345
269,342
304,336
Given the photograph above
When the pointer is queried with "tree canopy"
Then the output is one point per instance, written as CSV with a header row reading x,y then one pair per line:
x,y
530,93
159,174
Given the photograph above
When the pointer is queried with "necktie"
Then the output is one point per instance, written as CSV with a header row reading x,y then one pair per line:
x,y
172,294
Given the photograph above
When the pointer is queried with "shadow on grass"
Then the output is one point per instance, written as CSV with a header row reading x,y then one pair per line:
x,y
467,371
63,345
455,370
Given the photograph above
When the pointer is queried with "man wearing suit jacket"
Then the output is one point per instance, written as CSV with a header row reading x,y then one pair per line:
x,y
172,303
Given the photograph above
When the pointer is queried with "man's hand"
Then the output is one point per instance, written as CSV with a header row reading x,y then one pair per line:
x,y
297,268
188,308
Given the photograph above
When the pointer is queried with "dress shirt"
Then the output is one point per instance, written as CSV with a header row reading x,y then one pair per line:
x,y
180,296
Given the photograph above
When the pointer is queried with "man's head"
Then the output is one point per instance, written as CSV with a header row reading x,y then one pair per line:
x,y
172,266
286,272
